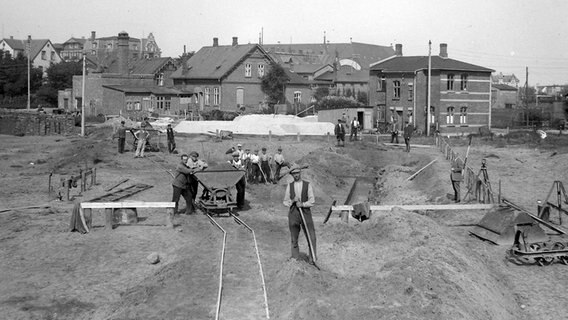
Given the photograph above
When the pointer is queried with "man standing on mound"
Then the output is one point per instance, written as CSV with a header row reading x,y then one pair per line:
x,y
300,196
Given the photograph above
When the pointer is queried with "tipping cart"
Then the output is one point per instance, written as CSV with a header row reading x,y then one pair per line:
x,y
219,191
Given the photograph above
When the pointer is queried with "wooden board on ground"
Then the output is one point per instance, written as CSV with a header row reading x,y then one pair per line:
x,y
410,207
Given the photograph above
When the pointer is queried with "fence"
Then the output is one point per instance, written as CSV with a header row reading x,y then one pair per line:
x,y
477,188
35,124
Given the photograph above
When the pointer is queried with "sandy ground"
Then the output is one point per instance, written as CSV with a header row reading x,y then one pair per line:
x,y
396,265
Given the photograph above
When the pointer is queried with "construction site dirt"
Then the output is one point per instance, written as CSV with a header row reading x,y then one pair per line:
x,y
396,265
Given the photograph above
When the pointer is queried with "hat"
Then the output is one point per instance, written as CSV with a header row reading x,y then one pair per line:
x,y
239,145
255,150
263,148
184,155
279,148
295,169
194,154
236,154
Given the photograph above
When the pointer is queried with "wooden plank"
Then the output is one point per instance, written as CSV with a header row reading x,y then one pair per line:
x,y
404,145
474,206
28,207
116,185
417,172
108,218
514,206
129,204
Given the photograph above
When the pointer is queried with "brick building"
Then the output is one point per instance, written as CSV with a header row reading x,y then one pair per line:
x,y
228,77
460,93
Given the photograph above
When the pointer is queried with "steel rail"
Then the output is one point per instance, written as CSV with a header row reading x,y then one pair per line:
x,y
241,222
219,294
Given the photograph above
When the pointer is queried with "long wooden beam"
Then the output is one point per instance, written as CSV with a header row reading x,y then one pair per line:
x,y
128,204
412,207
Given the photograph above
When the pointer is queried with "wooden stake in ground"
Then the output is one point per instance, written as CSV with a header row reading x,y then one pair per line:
x,y
28,207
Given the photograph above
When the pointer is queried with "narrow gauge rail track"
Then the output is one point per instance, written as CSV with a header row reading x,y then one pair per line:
x,y
242,289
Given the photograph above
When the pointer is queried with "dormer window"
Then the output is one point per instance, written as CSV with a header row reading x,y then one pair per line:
x,y
450,85
260,70
248,70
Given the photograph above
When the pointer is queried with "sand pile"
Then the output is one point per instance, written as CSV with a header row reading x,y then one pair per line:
x,y
397,265
259,124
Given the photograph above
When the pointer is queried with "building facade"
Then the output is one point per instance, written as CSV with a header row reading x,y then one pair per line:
x,y
459,92
42,52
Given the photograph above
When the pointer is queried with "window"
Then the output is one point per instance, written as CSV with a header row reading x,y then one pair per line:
x,y
160,79
396,88
508,106
297,96
382,84
260,70
137,105
43,55
109,46
450,82
432,115
463,115
216,97
52,56
450,115
463,83
410,91
129,105
94,45
207,93
248,70
94,52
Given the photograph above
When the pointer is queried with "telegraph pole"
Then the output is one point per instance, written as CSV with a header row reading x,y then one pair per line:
x,y
29,49
83,98
429,83
526,95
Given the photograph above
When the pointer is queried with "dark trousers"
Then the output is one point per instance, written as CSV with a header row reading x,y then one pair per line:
x,y
278,169
456,186
394,136
407,142
171,146
265,167
295,224
340,139
353,132
193,185
186,195
255,172
241,186
121,145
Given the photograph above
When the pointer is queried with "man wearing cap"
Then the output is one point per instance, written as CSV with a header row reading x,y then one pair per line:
x,y
407,134
141,135
255,167
195,164
121,134
245,158
340,132
237,163
240,150
299,194
280,162
265,166
456,177
180,185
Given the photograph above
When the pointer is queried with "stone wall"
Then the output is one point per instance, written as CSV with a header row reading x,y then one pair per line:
x,y
34,124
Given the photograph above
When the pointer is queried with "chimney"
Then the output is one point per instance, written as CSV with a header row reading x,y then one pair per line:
x,y
11,37
398,50
123,39
215,42
235,41
93,35
443,50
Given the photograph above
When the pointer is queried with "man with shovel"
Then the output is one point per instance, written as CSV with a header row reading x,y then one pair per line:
x,y
299,197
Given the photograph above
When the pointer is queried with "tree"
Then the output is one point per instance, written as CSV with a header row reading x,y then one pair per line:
x,y
321,92
362,98
60,75
14,75
273,84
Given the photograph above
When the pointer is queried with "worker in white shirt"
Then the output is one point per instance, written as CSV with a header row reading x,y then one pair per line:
x,y
195,164
279,162
237,163
255,167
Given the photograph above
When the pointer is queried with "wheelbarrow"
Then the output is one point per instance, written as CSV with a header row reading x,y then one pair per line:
x,y
219,189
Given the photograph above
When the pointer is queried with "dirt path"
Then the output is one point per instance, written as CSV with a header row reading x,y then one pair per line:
x,y
397,265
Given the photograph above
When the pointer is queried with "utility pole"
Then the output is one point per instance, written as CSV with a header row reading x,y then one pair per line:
x,y
429,84
29,49
83,97
526,95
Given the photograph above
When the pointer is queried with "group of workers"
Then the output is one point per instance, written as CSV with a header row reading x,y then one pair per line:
x,y
259,166
341,128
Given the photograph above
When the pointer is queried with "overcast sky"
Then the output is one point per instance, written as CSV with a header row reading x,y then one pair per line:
x,y
505,35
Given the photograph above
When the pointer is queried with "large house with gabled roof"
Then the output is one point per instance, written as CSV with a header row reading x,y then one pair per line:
x,y
42,52
460,92
228,77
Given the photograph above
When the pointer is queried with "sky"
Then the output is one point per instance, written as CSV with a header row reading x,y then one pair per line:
x,y
509,36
